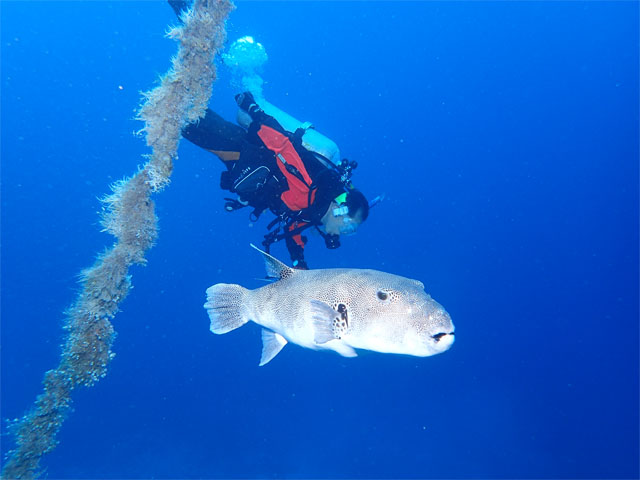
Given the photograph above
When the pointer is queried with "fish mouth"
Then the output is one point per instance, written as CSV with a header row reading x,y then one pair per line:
x,y
438,336
443,341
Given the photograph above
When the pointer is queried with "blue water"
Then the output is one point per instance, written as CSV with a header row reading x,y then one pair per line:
x,y
505,137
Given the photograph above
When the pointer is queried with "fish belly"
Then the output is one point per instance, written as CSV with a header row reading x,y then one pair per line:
x,y
295,330
292,319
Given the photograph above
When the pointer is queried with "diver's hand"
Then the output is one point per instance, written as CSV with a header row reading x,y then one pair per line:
x,y
247,102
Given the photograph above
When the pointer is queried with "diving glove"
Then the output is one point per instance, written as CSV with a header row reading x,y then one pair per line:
x,y
247,102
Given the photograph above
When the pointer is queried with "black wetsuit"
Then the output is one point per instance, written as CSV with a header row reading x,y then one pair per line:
x,y
254,175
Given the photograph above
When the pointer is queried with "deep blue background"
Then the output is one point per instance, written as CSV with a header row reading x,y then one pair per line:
x,y
505,136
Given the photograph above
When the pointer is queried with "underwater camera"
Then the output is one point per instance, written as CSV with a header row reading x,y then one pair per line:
x,y
331,241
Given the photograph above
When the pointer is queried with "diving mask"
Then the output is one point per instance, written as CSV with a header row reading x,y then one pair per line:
x,y
341,209
347,225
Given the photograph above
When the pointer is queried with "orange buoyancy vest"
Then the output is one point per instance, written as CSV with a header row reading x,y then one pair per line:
x,y
297,197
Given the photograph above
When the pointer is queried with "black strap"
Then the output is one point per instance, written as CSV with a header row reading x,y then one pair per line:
x,y
275,236
255,214
296,138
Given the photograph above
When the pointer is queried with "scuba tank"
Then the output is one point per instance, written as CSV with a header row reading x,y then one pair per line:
x,y
324,148
246,57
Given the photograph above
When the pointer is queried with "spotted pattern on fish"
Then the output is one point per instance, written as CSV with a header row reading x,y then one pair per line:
x,y
341,321
336,309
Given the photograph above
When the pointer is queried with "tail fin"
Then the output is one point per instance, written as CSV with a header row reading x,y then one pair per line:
x,y
225,307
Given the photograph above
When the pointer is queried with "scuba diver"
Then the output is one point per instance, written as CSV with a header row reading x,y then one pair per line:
x,y
278,164
269,168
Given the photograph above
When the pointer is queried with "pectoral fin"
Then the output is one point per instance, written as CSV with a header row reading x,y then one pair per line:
x,y
329,324
272,343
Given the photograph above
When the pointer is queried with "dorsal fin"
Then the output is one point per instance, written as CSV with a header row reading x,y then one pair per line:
x,y
275,268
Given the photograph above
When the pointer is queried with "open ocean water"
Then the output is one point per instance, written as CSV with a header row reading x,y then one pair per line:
x,y
505,138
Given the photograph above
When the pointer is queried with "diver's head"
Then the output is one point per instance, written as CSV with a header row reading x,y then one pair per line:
x,y
345,213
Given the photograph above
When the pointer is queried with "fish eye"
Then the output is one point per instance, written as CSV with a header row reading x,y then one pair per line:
x,y
382,295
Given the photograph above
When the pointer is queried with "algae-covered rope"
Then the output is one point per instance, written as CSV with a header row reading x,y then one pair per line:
x,y
181,98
